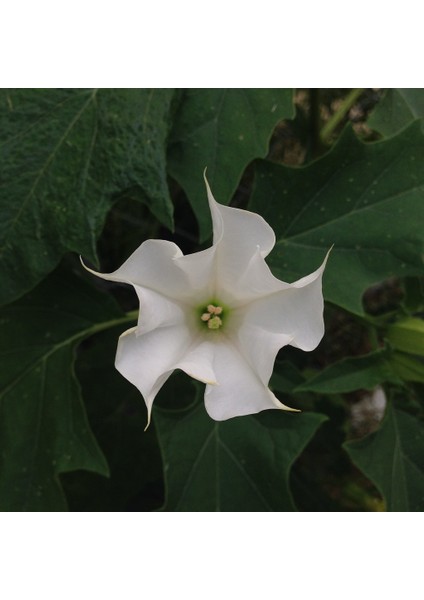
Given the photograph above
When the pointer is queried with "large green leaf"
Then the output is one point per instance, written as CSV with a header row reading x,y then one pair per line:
x,y
393,459
366,199
238,465
396,110
43,426
223,130
64,154
118,416
353,373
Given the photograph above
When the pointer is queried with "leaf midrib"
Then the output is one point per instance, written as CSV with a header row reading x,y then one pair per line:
x,y
77,337
13,222
219,444
339,219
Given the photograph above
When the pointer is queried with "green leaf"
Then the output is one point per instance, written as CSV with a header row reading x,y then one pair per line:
x,y
393,459
349,374
65,154
366,199
242,464
407,335
396,110
407,367
286,377
413,298
222,130
118,416
43,426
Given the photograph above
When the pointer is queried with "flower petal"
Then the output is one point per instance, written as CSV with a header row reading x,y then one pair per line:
x,y
239,390
148,360
160,266
239,228
198,362
151,265
295,311
260,346
158,311
238,235
198,270
252,282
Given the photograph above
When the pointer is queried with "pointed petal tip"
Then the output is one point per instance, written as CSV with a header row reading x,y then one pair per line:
x,y
83,263
206,179
328,253
208,187
282,406
92,271
290,409
149,418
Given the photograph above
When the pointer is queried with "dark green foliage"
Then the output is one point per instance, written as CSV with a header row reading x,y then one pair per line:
x,y
397,109
43,427
64,155
223,131
366,200
238,465
393,457
71,428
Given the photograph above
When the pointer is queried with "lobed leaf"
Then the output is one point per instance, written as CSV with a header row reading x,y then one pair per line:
x,y
353,373
117,415
393,459
64,154
222,130
242,464
398,108
43,426
365,199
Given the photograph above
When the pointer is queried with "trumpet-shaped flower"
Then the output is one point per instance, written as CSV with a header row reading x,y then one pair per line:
x,y
219,315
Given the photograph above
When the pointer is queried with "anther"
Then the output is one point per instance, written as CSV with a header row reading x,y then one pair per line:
x,y
214,310
214,323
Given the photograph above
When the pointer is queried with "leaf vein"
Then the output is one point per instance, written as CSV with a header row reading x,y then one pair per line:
x,y
13,222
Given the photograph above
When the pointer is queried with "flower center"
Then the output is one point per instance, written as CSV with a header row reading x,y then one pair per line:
x,y
211,316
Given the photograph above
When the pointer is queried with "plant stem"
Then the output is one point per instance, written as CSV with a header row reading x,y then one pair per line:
x,y
316,147
329,128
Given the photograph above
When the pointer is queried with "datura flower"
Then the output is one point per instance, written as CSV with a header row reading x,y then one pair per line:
x,y
218,314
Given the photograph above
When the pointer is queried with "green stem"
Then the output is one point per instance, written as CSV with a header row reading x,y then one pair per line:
x,y
316,146
97,328
129,316
332,124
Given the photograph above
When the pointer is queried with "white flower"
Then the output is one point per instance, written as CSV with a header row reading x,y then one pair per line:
x,y
219,315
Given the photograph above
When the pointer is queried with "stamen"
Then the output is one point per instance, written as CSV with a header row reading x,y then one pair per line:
x,y
211,316
214,323
214,310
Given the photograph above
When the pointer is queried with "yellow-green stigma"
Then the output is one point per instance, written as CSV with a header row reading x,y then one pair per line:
x,y
211,316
